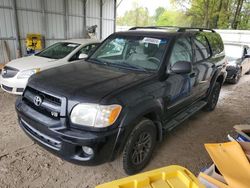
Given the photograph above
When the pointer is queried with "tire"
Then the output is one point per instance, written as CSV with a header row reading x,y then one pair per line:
x,y
138,149
213,97
237,77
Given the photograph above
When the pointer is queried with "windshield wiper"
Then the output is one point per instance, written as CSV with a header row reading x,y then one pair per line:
x,y
127,65
119,65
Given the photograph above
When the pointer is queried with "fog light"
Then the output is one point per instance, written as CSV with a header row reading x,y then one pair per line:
x,y
87,150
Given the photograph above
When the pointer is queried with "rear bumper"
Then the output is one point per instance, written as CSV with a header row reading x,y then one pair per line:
x,y
55,136
13,85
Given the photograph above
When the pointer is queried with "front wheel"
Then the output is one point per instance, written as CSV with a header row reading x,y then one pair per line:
x,y
138,149
213,97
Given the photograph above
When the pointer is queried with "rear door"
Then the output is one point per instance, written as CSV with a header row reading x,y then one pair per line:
x,y
202,66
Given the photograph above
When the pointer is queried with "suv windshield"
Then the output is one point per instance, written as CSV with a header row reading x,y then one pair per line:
x,y
58,50
233,52
137,53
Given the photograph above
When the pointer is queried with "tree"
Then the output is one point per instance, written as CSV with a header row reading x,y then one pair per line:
x,y
158,12
137,17
173,18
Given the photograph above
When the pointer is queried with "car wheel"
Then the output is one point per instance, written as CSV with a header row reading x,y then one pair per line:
x,y
213,97
138,149
237,77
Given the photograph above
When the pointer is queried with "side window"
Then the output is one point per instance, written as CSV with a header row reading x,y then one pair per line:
x,y
182,51
201,48
215,42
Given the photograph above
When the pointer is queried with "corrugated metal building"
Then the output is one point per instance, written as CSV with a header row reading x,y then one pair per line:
x,y
54,19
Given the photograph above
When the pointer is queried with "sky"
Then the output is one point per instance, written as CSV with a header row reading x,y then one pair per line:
x,y
152,5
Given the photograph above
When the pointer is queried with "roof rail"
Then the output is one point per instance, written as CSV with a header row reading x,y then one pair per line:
x,y
179,29
183,29
153,27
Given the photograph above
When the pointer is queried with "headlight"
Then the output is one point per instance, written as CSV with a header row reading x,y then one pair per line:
x,y
27,73
95,115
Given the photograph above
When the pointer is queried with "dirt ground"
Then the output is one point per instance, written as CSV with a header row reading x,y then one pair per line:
x,y
25,164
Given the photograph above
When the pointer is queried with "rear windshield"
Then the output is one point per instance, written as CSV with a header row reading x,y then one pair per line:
x,y
141,53
58,50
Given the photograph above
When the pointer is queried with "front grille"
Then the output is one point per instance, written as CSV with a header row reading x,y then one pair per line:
x,y
7,88
9,72
50,105
19,90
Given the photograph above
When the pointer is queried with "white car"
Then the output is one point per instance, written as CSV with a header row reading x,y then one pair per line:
x,y
16,73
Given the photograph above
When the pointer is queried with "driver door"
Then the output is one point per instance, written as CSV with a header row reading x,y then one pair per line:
x,y
179,88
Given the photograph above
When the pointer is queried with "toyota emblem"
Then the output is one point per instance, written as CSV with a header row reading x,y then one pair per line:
x,y
37,100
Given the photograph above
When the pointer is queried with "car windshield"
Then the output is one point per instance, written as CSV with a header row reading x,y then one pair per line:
x,y
58,50
233,52
137,53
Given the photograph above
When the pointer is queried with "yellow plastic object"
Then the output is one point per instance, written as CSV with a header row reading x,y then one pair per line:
x,y
168,177
232,163
34,41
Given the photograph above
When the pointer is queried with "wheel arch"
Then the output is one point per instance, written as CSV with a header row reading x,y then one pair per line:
x,y
151,110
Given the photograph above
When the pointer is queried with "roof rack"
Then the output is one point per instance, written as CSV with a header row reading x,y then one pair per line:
x,y
179,29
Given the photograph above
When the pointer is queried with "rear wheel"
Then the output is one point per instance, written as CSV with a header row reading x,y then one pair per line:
x,y
213,97
138,149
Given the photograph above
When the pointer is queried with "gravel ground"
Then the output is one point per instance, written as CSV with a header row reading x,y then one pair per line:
x,y
25,164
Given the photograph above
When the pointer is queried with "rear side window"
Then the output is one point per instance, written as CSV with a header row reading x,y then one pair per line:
x,y
215,42
201,48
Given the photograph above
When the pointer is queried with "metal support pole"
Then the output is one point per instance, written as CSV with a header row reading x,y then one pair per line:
x,y
44,21
16,28
66,17
84,18
101,4
115,9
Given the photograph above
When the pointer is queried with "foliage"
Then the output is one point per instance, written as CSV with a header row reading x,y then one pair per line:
x,y
173,18
223,14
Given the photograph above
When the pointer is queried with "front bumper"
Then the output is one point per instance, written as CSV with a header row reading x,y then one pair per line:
x,y
232,72
13,85
65,142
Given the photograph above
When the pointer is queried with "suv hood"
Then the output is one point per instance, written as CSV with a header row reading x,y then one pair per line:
x,y
30,62
83,81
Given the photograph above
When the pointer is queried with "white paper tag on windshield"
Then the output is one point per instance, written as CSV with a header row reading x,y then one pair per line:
x,y
72,45
151,40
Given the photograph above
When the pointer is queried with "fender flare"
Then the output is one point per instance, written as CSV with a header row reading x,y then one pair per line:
x,y
132,117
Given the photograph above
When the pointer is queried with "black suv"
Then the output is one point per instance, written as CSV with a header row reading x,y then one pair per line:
x,y
120,101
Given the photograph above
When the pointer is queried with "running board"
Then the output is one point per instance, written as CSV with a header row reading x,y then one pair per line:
x,y
184,115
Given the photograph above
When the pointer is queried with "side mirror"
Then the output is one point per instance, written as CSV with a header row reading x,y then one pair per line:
x,y
82,56
182,67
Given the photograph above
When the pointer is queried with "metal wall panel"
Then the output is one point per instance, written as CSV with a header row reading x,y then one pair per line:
x,y
5,3
54,6
29,4
53,21
108,18
93,14
55,26
6,23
